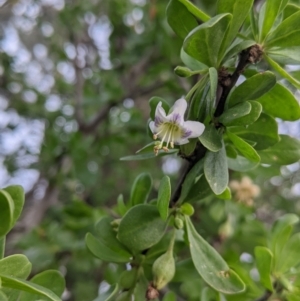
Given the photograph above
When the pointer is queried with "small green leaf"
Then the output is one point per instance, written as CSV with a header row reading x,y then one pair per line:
x,y
225,195
107,236
204,42
235,112
15,265
290,254
180,19
49,279
244,148
280,102
18,196
100,250
210,265
254,114
141,227
196,11
191,63
264,131
273,9
231,151
110,295
282,72
213,78
241,164
264,262
211,139
153,102
23,285
150,155
236,49
285,152
163,199
140,189
169,296
285,56
3,297
6,213
252,88
216,170
239,10
190,179
286,34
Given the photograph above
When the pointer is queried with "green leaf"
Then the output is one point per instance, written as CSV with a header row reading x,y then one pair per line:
x,y
236,49
243,147
169,296
163,199
141,227
252,88
282,72
285,152
49,279
190,62
180,19
235,112
153,102
210,265
204,42
3,297
231,151
287,33
280,102
18,196
216,170
100,250
285,55
264,262
273,9
239,10
6,213
190,179
213,78
264,132
23,285
290,254
241,164
199,191
225,195
107,236
211,139
140,189
198,13
110,294
254,114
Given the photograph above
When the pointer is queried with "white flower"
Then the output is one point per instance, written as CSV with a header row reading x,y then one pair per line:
x,y
172,128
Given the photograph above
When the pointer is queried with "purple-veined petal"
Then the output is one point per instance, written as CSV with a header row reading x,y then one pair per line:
x,y
193,129
152,127
182,141
160,114
179,107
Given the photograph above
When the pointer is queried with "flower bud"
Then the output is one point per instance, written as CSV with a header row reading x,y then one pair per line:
x,y
178,223
163,270
128,279
183,71
187,209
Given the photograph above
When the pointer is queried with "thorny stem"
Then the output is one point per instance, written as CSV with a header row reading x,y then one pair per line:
x,y
200,150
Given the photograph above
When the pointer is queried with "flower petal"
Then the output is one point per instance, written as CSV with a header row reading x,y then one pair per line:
x,y
152,127
160,114
176,113
182,141
193,129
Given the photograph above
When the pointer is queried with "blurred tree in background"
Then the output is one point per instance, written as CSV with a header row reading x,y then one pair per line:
x,y
75,80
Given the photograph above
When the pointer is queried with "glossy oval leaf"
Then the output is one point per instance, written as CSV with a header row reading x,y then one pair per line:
x,y
211,139
180,19
256,109
141,227
285,152
23,285
210,265
264,263
264,132
216,170
16,265
204,42
241,164
6,213
243,147
235,112
163,198
140,189
280,102
252,88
